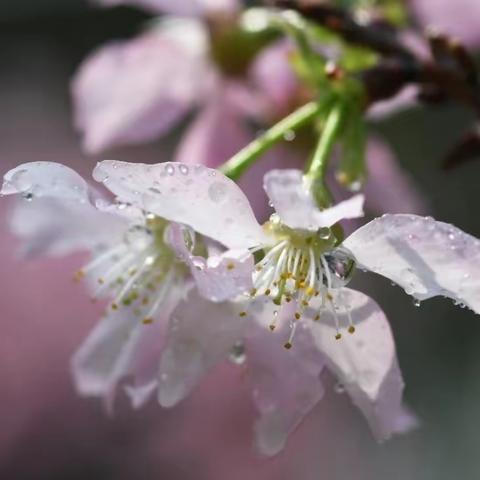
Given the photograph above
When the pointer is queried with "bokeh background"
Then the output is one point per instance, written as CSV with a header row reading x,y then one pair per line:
x,y
48,433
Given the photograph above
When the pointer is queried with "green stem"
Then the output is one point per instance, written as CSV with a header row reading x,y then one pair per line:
x,y
317,169
240,162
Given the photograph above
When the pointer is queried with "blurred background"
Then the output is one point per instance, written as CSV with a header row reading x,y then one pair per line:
x,y
47,432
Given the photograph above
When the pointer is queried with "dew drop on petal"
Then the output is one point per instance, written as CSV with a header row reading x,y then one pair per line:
x,y
237,354
217,192
339,388
170,170
28,196
416,302
183,169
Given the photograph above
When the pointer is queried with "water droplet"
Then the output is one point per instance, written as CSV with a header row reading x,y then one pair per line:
x,y
289,136
339,388
170,170
28,196
183,169
138,237
341,266
237,354
217,191
416,302
355,186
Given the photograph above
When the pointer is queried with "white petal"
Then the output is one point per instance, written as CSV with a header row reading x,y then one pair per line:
x,y
197,196
286,384
45,179
121,345
222,276
104,357
56,216
365,362
425,257
201,334
296,207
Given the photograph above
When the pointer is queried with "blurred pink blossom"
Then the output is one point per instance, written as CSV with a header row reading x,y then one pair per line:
x,y
454,17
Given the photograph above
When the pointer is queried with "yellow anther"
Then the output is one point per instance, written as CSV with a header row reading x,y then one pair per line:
x,y
297,316
230,266
338,336
147,321
305,303
310,291
317,317
271,327
288,299
301,284
78,275
329,296
258,268
242,314
253,292
351,329
114,306
101,281
287,345
268,291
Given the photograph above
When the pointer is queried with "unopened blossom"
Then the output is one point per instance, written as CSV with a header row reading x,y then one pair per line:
x,y
135,265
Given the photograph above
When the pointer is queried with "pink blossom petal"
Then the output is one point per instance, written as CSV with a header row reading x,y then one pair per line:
x,y
389,188
216,134
56,216
220,277
425,257
201,334
365,363
177,7
273,76
220,131
124,92
403,100
296,207
118,347
286,384
458,18
200,197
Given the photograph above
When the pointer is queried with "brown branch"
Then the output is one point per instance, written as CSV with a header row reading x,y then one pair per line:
x,y
450,75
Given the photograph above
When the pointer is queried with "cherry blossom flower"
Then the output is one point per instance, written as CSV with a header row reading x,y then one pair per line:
x,y
299,293
134,264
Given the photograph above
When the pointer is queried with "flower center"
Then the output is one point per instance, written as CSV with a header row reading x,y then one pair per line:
x,y
301,266
138,272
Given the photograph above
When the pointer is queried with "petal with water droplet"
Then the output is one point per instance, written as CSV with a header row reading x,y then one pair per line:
x,y
201,333
203,198
425,257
